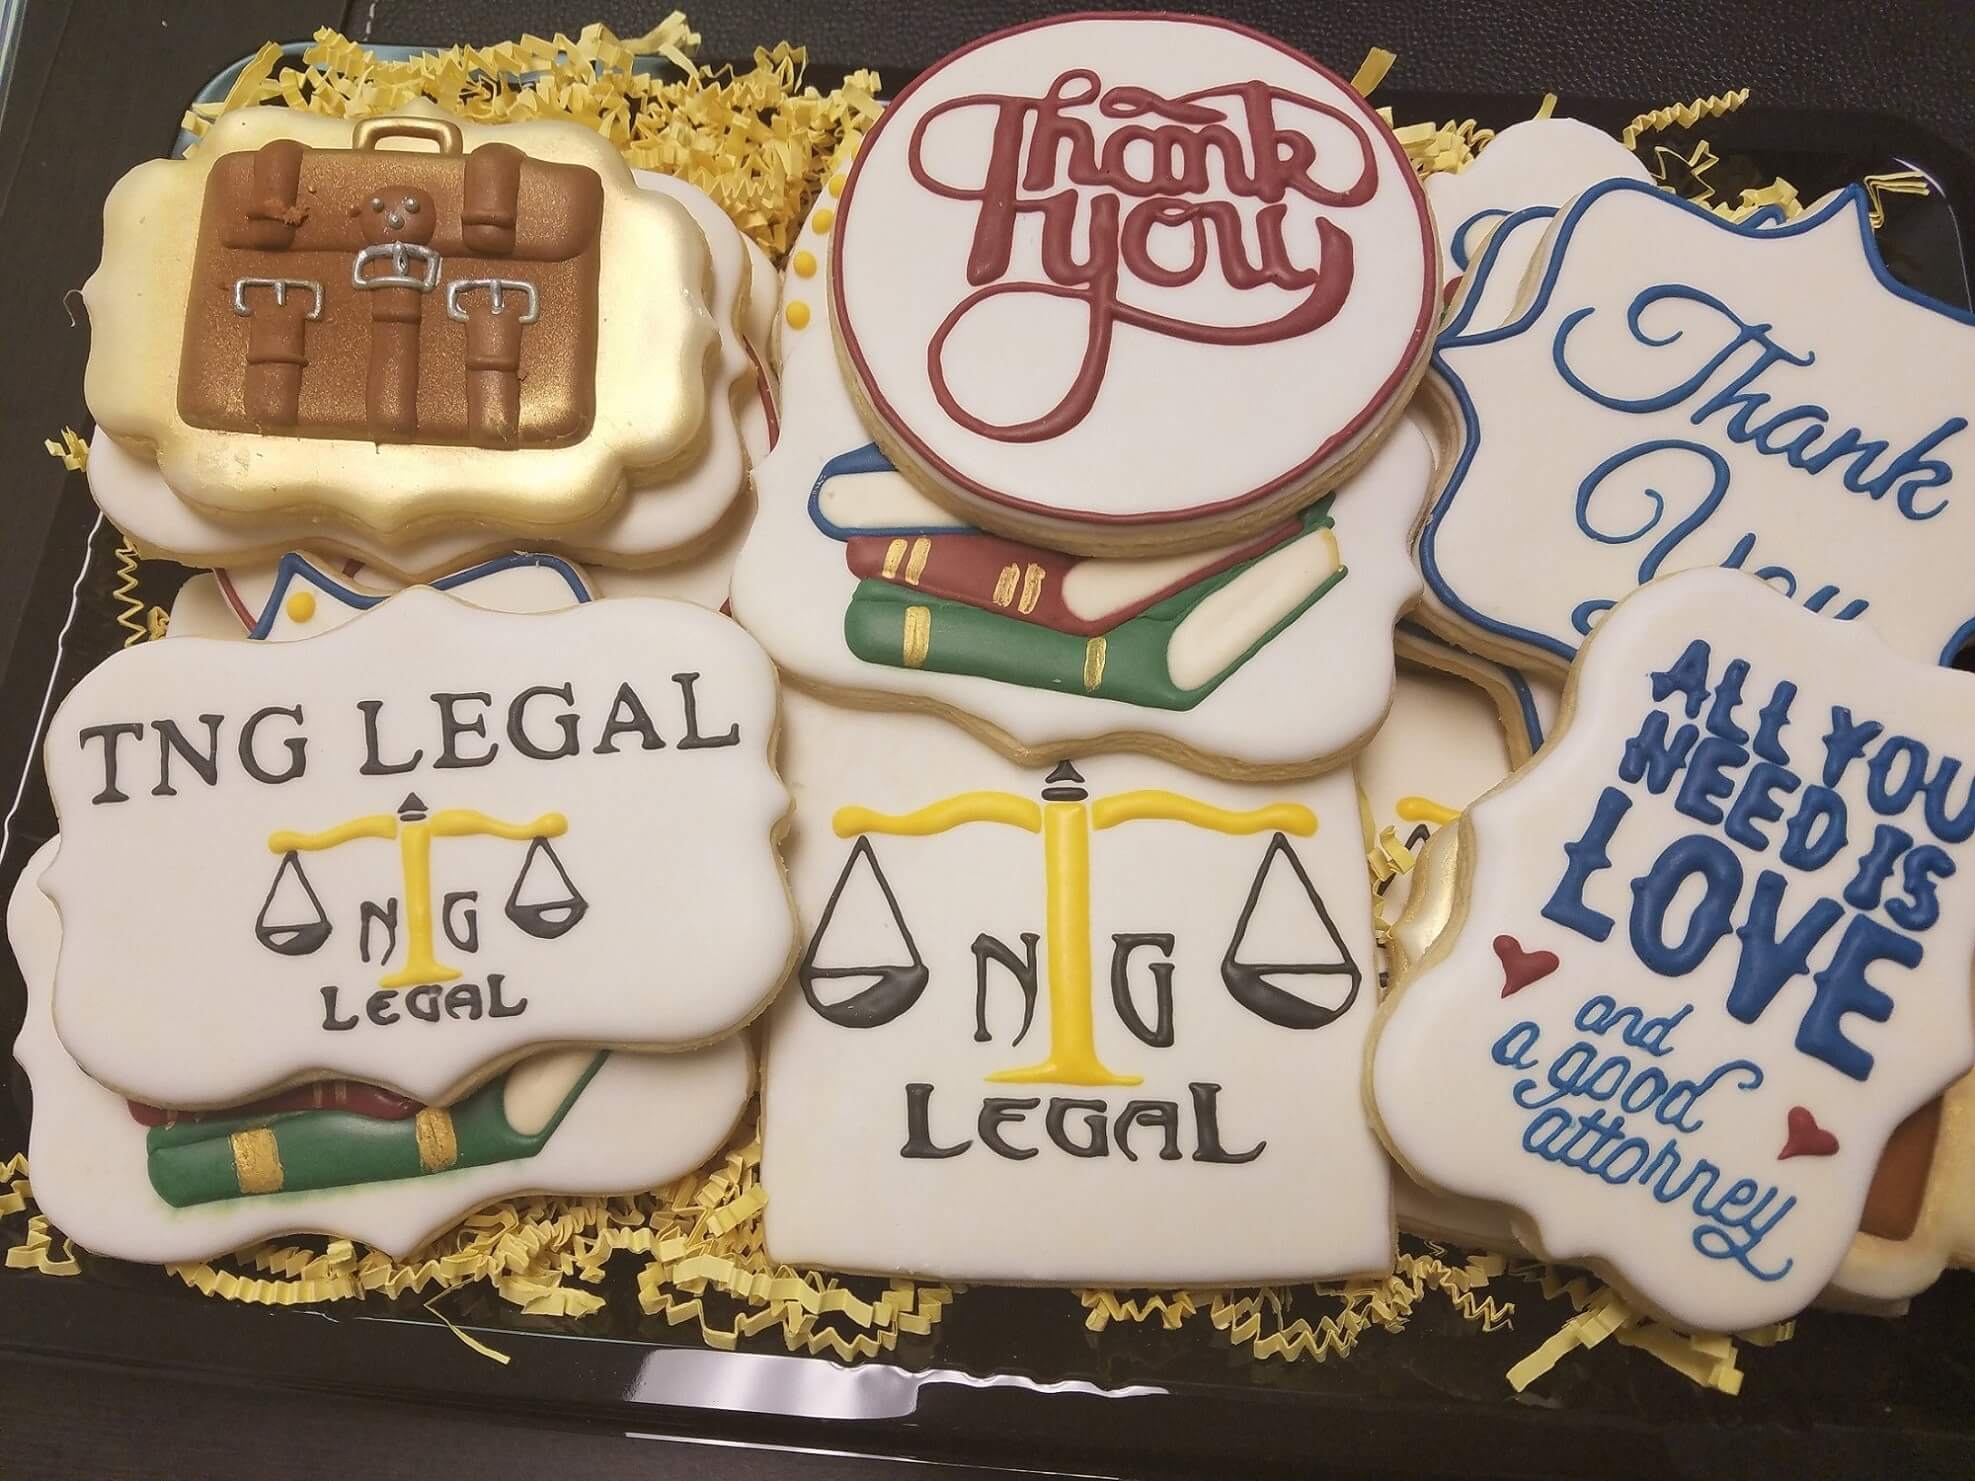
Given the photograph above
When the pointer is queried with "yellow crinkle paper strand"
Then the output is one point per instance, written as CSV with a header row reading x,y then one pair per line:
x,y
757,140
1706,1358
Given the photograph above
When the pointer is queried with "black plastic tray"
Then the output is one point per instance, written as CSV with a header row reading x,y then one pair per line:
x,y
1010,1376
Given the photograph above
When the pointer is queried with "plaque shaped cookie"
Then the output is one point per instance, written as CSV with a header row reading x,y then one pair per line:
x,y
1266,657
1703,957
1096,1022
1069,245
140,1183
426,843
1538,162
1683,392
657,471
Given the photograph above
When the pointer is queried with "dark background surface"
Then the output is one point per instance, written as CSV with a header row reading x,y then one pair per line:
x,y
98,87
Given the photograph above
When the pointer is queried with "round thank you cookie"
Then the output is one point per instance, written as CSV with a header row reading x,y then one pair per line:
x,y
1126,283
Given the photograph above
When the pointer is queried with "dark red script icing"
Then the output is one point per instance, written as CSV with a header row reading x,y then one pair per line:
x,y
1042,152
1519,967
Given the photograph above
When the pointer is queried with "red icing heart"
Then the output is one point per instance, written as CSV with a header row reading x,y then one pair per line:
x,y
1807,1138
1519,967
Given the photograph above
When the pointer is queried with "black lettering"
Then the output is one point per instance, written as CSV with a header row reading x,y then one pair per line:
x,y
171,738
1022,969
452,727
379,1008
109,735
1207,1120
463,997
465,936
385,915
298,752
919,1141
517,724
495,1007
632,710
373,763
1097,1130
693,740
997,1110
1163,1114
422,1002
1160,1034
329,1019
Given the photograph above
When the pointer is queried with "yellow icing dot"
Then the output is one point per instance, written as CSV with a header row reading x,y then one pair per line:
x,y
804,264
836,184
301,606
824,218
797,314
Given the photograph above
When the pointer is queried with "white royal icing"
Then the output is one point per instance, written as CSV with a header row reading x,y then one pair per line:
x,y
89,1153
1312,692
1004,372
898,975
1538,162
1684,392
1755,971
633,900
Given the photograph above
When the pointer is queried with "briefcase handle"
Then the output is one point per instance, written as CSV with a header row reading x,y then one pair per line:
x,y
440,131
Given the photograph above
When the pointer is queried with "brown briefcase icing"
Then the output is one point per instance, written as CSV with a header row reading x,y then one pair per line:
x,y
395,296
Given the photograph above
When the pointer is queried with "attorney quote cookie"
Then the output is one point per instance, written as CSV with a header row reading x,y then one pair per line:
x,y
1704,956
1067,245
431,841
1095,1022
1681,391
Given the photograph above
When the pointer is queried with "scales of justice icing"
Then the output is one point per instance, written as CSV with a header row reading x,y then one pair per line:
x,y
132,1181
1067,246
1684,392
429,840
1712,951
624,440
349,1157
1106,1003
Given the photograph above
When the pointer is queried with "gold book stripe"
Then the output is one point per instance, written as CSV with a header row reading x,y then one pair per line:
x,y
918,636
1032,580
1093,664
438,1147
257,1160
1004,585
915,567
894,557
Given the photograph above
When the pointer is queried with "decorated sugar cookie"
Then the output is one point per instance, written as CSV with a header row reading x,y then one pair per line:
x,y
1266,656
1442,745
1703,957
656,474
1685,392
1067,243
428,841
1527,703
1093,1022
1538,162
131,1180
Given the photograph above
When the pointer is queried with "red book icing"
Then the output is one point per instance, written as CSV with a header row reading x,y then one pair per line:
x,y
1084,595
318,1095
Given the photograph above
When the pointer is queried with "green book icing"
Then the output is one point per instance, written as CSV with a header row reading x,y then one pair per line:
x,y
902,628
193,1162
